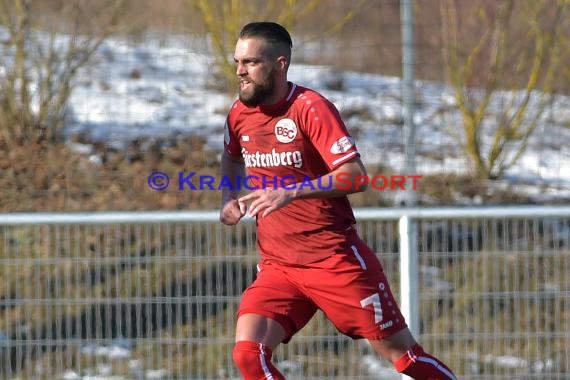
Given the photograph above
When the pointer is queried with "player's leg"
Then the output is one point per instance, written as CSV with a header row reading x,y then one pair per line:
x,y
409,358
271,311
256,338
353,291
258,328
394,346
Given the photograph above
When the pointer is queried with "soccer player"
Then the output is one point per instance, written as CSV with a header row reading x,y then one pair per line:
x,y
311,256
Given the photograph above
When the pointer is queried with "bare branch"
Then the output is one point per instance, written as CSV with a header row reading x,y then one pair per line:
x,y
516,122
39,61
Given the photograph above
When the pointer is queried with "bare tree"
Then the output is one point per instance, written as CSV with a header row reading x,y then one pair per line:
x,y
224,19
39,61
515,48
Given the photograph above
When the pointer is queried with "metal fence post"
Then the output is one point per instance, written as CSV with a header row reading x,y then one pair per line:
x,y
409,273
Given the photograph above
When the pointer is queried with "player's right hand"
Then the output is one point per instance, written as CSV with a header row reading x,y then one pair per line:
x,y
232,211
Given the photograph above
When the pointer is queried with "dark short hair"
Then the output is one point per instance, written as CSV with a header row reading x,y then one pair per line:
x,y
272,32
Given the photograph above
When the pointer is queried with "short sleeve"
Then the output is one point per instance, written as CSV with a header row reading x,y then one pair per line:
x,y
328,133
231,142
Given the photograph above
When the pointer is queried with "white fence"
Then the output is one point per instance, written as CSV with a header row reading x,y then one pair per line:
x,y
153,295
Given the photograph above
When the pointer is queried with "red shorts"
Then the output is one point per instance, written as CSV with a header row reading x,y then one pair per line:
x,y
349,287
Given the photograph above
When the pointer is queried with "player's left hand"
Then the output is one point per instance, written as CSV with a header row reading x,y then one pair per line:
x,y
265,201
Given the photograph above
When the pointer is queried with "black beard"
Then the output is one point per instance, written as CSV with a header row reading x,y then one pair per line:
x,y
260,91
260,94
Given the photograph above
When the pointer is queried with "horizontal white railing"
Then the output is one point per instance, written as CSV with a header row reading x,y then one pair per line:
x,y
104,217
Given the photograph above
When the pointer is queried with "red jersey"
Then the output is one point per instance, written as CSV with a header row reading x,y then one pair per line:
x,y
302,136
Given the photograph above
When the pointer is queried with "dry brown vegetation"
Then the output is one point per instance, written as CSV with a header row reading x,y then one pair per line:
x,y
51,177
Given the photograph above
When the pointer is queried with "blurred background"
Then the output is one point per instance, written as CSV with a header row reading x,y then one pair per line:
x,y
98,95
95,96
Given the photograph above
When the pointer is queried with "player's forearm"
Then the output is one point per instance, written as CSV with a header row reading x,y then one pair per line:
x,y
232,170
345,180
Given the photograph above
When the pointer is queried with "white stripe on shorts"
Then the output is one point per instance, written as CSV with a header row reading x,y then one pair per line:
x,y
360,259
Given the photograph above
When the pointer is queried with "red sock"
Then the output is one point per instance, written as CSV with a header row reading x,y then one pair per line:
x,y
254,361
422,366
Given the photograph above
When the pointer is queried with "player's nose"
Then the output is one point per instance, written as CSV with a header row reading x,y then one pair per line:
x,y
240,70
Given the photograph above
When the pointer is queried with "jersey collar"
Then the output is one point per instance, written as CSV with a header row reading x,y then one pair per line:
x,y
282,102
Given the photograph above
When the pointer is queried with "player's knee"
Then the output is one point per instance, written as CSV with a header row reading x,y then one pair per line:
x,y
254,361
246,354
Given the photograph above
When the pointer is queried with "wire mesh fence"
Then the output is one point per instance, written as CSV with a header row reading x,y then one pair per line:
x,y
154,295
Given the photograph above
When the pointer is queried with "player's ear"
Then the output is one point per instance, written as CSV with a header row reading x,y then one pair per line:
x,y
283,62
